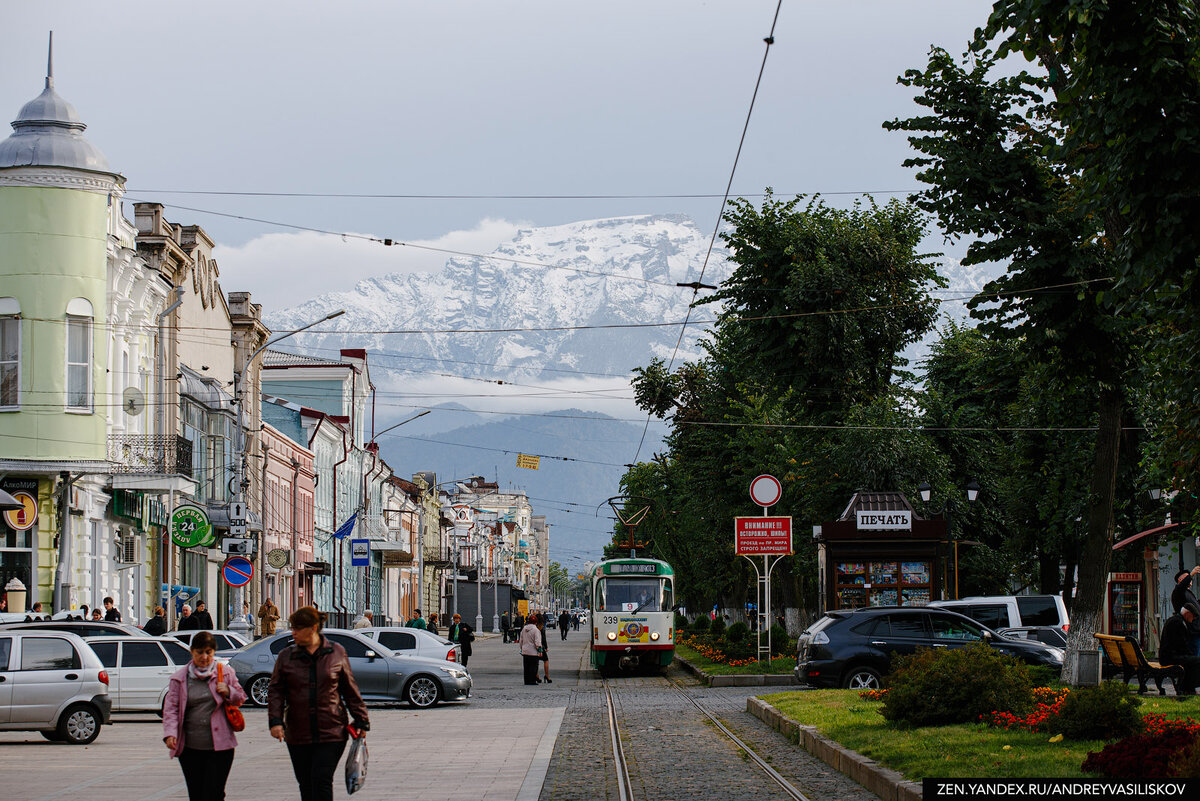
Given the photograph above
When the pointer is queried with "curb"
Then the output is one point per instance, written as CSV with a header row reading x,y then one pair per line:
x,y
742,680
883,782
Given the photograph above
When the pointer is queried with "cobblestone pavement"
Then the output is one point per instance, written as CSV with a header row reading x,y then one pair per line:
x,y
674,752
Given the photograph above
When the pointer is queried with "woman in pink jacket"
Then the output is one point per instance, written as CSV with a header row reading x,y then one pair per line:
x,y
530,642
194,725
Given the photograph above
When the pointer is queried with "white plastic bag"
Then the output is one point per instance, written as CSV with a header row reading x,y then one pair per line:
x,y
356,765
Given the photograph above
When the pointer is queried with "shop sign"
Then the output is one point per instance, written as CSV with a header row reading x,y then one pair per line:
x,y
762,536
885,521
190,527
26,517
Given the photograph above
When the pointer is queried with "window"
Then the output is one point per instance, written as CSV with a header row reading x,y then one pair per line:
x,y
10,354
48,653
79,360
1035,610
280,644
107,651
179,654
5,650
994,616
351,644
949,628
142,654
901,626
398,640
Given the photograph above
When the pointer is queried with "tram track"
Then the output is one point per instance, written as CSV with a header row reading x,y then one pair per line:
x,y
625,786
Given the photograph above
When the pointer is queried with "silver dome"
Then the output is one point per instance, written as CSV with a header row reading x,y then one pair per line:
x,y
49,133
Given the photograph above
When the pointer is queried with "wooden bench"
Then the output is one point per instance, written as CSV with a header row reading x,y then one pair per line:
x,y
1125,653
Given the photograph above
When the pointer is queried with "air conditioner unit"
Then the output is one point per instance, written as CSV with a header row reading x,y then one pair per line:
x,y
127,549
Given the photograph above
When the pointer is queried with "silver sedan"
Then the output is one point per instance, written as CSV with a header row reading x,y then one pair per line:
x,y
382,676
412,642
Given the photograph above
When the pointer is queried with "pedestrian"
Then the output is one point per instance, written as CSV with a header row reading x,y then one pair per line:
x,y
195,728
432,626
545,655
111,613
36,608
462,634
575,621
365,620
83,611
564,622
1177,646
530,641
156,625
187,622
203,619
518,624
504,623
416,622
268,613
310,700
249,618
96,615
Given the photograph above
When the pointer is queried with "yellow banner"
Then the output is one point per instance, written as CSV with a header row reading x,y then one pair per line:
x,y
528,462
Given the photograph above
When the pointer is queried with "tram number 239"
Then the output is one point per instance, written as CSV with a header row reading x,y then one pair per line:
x,y
610,620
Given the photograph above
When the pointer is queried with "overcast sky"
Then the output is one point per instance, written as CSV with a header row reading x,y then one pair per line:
x,y
479,98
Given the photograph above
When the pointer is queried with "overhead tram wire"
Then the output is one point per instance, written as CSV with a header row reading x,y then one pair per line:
x,y
769,40
386,196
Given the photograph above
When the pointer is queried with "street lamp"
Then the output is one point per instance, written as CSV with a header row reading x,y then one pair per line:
x,y
239,456
926,492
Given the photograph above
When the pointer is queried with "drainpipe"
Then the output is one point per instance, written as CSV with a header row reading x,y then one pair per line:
x,y
337,545
295,489
62,573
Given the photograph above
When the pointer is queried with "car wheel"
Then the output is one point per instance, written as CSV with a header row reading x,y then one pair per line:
x,y
257,690
423,692
79,725
863,678
51,735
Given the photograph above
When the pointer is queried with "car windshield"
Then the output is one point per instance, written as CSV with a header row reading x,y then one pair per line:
x,y
633,594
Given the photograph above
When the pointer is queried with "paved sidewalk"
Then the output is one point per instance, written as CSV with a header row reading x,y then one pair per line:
x,y
496,747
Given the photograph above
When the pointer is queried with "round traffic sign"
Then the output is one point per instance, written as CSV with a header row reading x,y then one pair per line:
x,y
190,526
766,490
237,571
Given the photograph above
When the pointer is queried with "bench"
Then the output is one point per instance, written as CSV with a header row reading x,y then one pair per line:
x,y
1125,653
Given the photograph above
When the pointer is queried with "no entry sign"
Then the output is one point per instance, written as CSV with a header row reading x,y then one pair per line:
x,y
754,536
237,571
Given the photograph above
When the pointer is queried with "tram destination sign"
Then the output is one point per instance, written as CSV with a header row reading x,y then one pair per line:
x,y
646,567
762,536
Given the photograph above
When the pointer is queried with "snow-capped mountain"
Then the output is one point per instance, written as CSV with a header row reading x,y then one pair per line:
x,y
610,272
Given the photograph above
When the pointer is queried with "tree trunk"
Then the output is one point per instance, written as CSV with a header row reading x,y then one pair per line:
x,y
1096,556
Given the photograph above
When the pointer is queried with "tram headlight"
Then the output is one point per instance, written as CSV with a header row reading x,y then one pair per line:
x,y
654,635
612,635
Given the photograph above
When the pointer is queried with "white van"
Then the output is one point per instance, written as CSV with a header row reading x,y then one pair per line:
x,y
1008,611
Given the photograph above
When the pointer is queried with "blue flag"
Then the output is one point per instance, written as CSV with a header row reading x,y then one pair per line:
x,y
347,527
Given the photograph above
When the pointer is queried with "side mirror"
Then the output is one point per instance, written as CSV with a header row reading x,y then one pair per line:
x,y
371,654
987,636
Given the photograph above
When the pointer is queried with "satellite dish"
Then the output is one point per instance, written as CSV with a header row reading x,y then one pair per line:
x,y
133,401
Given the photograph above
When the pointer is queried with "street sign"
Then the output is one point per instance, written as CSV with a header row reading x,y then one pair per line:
x,y
190,526
766,490
244,546
237,512
237,571
237,529
754,536
360,553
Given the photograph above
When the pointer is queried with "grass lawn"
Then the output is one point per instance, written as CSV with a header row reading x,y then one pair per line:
x,y
780,664
961,751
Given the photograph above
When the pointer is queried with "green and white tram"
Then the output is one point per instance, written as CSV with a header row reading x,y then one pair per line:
x,y
633,616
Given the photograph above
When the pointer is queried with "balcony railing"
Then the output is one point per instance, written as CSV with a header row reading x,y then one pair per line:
x,y
134,454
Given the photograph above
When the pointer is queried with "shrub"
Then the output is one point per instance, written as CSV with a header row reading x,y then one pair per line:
x,y
716,629
780,643
1145,756
737,632
700,624
681,622
1106,712
1186,762
955,685
1044,675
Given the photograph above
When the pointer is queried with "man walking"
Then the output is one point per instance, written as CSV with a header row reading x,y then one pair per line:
x,y
186,620
504,625
365,621
268,613
203,618
564,620
417,621
111,614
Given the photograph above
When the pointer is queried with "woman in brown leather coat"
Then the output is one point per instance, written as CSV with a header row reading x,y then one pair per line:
x,y
307,701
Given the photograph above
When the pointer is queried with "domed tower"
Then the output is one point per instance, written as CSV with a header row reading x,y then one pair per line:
x,y
56,196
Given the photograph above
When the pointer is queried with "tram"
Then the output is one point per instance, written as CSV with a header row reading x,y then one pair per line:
x,y
632,615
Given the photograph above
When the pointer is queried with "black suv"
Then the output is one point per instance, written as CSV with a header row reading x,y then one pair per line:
x,y
853,648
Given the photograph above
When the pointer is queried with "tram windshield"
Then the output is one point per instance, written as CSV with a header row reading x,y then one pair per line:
x,y
633,595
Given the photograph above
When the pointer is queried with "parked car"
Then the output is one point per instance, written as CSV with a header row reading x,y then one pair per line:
x,y
381,674
22,617
1049,635
854,648
139,669
82,628
413,642
52,682
226,640
1011,611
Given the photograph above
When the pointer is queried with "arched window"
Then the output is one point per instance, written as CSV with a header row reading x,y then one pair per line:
x,y
79,355
10,354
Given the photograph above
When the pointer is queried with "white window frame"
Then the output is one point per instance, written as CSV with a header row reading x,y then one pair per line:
x,y
5,316
90,407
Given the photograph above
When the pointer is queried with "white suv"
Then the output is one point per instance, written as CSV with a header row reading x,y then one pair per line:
x,y
1011,611
52,682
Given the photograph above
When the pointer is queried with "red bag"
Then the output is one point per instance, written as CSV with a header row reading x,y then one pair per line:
x,y
237,721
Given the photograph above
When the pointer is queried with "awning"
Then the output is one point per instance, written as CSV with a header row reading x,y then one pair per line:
x,y
1150,532
316,568
386,545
